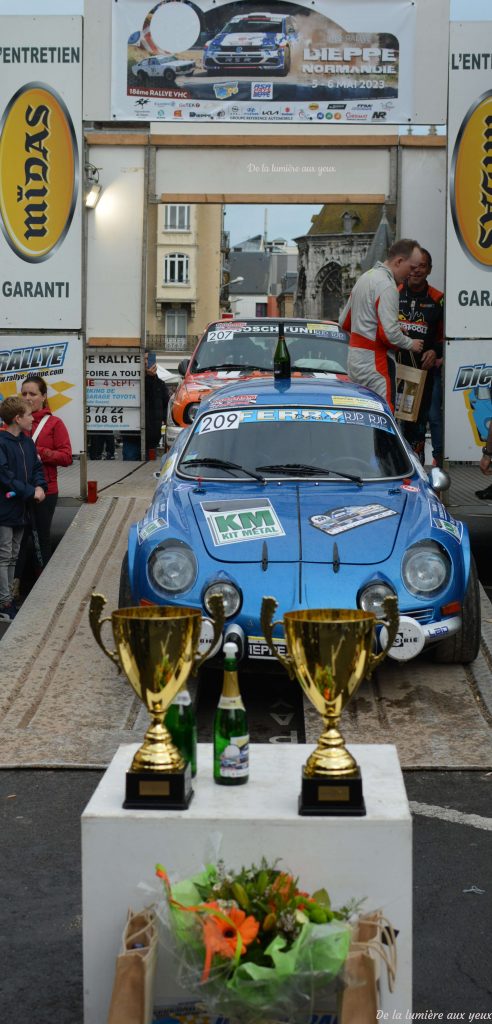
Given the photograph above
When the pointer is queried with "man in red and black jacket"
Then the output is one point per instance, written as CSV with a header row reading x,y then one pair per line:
x,y
421,316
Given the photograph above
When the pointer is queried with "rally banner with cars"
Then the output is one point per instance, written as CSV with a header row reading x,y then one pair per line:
x,y
468,405
59,361
315,60
468,312
113,389
40,171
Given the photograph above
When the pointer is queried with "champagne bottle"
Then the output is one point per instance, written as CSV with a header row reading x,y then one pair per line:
x,y
231,737
181,722
281,358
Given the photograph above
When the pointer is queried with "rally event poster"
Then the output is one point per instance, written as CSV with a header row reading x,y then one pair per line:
x,y
318,61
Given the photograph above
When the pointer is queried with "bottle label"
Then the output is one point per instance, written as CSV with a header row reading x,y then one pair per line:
x,y
182,699
231,703
234,759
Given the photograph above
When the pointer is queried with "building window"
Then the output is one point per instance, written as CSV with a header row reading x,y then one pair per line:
x,y
176,329
176,268
177,218
261,309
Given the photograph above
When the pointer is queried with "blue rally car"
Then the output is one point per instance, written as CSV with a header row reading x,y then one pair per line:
x,y
304,490
252,42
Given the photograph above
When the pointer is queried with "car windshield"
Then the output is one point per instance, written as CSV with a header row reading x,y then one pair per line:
x,y
314,348
295,441
248,25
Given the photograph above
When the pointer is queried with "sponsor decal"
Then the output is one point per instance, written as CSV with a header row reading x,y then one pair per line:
x,y
39,172
356,403
409,487
437,631
219,402
261,91
258,647
409,640
453,528
471,183
226,89
379,115
348,517
232,522
293,415
146,531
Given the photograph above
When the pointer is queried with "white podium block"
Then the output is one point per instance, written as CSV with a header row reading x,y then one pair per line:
x,y
367,857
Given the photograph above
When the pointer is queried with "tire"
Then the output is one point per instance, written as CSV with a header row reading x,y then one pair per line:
x,y
125,599
169,76
464,646
142,78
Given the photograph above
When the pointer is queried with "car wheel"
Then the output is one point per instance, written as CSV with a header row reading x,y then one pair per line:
x,y
286,68
142,77
169,75
125,599
464,646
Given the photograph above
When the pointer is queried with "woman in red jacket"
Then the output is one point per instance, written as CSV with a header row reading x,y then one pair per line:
x,y
50,436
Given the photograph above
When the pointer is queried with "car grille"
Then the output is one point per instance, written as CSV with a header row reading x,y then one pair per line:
x,y
422,614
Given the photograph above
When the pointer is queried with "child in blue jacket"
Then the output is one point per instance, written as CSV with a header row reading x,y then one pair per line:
x,y
21,479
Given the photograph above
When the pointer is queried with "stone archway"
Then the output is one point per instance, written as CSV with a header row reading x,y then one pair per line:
x,y
329,291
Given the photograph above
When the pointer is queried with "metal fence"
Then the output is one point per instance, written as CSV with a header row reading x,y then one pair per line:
x,y
179,343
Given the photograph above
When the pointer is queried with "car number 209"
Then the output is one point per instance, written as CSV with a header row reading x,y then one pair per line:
x,y
220,421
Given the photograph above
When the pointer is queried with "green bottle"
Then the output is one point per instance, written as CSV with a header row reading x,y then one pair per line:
x,y
281,358
181,722
231,736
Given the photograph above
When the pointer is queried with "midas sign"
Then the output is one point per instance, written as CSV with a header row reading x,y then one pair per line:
x,y
471,183
38,172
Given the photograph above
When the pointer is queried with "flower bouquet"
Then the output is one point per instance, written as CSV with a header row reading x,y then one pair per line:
x,y
254,945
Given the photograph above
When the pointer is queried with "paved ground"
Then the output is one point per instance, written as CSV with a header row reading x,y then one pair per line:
x,y
40,934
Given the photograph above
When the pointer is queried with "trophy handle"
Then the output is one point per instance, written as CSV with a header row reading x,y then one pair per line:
x,y
218,618
268,609
95,609
391,621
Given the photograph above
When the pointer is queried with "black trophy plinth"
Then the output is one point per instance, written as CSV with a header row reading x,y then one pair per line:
x,y
336,797
159,791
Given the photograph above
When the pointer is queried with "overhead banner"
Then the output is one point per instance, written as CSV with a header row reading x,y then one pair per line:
x,y
469,218
40,158
468,406
59,361
211,60
113,390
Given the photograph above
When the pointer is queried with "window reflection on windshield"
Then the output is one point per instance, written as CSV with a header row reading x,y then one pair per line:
x,y
223,347
359,442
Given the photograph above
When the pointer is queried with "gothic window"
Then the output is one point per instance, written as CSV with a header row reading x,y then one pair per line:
x,y
331,291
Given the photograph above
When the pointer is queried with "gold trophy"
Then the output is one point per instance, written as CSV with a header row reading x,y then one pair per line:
x,y
330,651
157,649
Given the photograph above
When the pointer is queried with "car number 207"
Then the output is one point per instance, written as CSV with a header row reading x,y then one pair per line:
x,y
220,421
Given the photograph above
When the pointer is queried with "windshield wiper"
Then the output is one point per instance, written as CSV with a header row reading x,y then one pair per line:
x,y
228,366
301,469
222,464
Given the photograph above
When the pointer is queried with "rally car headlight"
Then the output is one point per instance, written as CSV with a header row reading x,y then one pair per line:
x,y
230,596
426,568
172,567
372,597
191,411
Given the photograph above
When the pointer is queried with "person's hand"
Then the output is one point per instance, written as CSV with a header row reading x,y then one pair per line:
x,y
39,494
151,370
486,465
417,345
428,359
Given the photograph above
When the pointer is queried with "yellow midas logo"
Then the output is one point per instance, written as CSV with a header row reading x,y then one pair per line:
x,y
38,172
55,402
471,183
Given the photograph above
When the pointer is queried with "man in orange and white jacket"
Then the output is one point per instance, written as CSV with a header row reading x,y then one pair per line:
x,y
372,314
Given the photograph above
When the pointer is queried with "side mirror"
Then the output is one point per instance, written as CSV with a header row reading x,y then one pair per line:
x,y
439,479
182,367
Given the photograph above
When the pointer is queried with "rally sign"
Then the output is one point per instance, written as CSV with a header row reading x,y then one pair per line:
x,y
211,60
113,389
468,406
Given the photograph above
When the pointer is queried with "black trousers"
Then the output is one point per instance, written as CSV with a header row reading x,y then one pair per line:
x,y
35,549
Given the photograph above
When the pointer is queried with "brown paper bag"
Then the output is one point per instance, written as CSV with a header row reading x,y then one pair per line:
x,y
132,997
410,382
373,944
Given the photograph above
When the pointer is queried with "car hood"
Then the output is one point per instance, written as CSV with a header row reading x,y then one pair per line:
x,y
292,522
196,386
247,38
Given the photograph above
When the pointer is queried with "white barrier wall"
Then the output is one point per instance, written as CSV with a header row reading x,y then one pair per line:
x,y
114,244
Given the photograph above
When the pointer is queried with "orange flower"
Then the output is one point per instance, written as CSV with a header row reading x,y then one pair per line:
x,y
226,933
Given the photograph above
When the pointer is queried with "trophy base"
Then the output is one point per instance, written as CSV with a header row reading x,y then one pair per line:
x,y
337,797
158,791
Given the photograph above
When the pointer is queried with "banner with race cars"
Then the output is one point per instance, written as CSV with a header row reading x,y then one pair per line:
x,y
113,389
40,172
314,60
59,361
468,403
468,312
